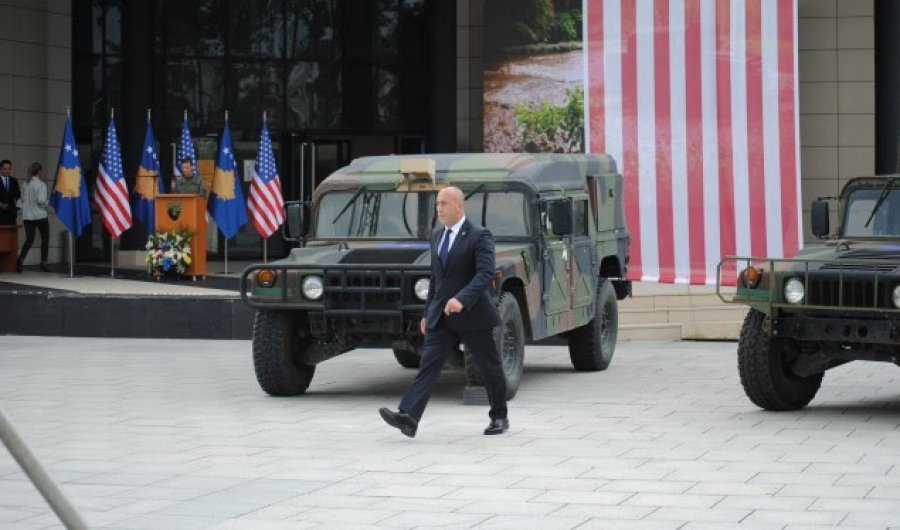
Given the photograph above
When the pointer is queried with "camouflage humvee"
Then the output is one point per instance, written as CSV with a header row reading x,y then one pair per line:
x,y
828,306
362,278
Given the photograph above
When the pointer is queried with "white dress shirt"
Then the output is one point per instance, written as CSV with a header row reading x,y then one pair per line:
x,y
453,233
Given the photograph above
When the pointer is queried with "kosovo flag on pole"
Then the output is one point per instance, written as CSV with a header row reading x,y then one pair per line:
x,y
70,197
147,185
226,201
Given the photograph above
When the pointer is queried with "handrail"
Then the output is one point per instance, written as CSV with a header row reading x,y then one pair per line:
x,y
41,480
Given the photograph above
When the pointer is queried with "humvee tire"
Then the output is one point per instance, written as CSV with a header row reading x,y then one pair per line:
x,y
591,346
509,338
761,363
407,358
274,353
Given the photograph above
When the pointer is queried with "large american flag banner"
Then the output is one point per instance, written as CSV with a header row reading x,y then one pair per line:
x,y
266,204
697,102
110,192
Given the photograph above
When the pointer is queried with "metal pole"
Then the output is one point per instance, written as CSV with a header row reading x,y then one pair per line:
x,y
226,256
112,256
41,480
71,256
265,250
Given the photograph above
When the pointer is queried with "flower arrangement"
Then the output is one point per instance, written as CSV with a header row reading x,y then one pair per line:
x,y
169,251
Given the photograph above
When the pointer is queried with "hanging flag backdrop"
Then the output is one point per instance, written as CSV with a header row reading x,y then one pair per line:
x,y
185,150
148,183
110,192
697,102
266,204
226,200
70,198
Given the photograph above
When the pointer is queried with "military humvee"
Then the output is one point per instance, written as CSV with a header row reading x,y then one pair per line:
x,y
828,306
362,277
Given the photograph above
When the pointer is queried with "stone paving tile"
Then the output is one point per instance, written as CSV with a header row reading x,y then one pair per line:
x,y
182,437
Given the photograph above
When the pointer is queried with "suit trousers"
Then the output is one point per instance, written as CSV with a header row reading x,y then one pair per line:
x,y
43,226
440,342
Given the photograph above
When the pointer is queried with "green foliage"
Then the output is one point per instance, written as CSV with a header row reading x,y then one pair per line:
x,y
517,23
550,128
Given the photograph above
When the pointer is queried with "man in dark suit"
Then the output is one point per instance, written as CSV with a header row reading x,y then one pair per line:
x,y
9,194
458,309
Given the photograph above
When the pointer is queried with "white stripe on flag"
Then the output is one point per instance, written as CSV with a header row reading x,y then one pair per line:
x,y
710,137
771,136
679,141
612,78
739,126
647,140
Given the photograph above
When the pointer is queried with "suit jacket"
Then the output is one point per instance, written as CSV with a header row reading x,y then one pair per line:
x,y
467,277
8,217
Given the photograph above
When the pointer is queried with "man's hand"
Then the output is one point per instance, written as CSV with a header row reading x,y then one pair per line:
x,y
453,306
422,326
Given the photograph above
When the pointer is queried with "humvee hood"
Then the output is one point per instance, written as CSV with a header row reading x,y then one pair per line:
x,y
875,252
370,252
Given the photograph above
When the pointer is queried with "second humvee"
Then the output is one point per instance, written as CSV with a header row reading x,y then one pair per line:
x,y
361,276
827,306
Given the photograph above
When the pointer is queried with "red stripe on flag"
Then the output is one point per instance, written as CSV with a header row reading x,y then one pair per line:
x,y
726,155
597,111
694,118
663,106
787,129
756,176
630,166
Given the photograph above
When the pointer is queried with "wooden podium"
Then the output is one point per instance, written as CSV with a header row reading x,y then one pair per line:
x,y
9,247
185,211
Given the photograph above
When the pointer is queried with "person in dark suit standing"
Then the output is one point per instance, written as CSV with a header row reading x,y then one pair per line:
x,y
9,194
458,309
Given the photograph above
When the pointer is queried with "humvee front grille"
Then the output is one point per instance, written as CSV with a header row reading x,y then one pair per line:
x,y
856,292
363,290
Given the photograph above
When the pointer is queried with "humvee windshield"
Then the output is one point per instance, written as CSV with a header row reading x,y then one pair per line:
x,y
886,221
395,215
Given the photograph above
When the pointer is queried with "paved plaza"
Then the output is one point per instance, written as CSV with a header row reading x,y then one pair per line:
x,y
176,434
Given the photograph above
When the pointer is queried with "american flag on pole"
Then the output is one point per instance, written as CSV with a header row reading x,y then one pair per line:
x,y
265,203
110,193
697,102
185,150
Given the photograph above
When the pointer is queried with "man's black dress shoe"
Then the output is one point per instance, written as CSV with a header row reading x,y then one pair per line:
x,y
498,426
43,267
400,420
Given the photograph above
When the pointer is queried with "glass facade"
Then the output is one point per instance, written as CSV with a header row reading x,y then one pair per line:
x,y
353,72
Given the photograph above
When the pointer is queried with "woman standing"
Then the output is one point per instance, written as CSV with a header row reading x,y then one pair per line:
x,y
34,215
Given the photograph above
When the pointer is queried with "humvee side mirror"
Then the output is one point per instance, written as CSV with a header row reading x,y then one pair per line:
x,y
560,217
818,217
296,220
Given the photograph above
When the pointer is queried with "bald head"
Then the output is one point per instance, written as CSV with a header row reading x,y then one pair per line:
x,y
450,206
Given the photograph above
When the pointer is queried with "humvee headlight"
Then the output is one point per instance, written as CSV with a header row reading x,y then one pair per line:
x,y
794,291
421,288
897,296
265,277
750,277
313,287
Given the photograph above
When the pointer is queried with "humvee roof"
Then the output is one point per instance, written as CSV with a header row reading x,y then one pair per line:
x,y
541,172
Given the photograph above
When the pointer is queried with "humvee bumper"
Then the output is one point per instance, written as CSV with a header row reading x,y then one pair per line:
x,y
346,290
841,330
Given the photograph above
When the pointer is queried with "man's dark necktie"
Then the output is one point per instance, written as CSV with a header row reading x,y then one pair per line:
x,y
445,246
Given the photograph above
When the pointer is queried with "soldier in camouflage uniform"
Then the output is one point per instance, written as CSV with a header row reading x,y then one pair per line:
x,y
187,182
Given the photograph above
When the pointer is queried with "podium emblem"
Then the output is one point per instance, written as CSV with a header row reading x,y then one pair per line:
x,y
174,210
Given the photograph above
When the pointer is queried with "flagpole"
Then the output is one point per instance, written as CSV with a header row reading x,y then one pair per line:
x,y
226,239
265,240
112,240
71,256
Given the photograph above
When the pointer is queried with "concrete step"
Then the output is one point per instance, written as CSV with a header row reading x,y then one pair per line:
x,y
660,331
712,330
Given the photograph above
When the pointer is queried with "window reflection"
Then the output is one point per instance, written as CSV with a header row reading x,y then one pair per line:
x,y
258,31
196,85
311,30
314,95
386,100
257,88
195,28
